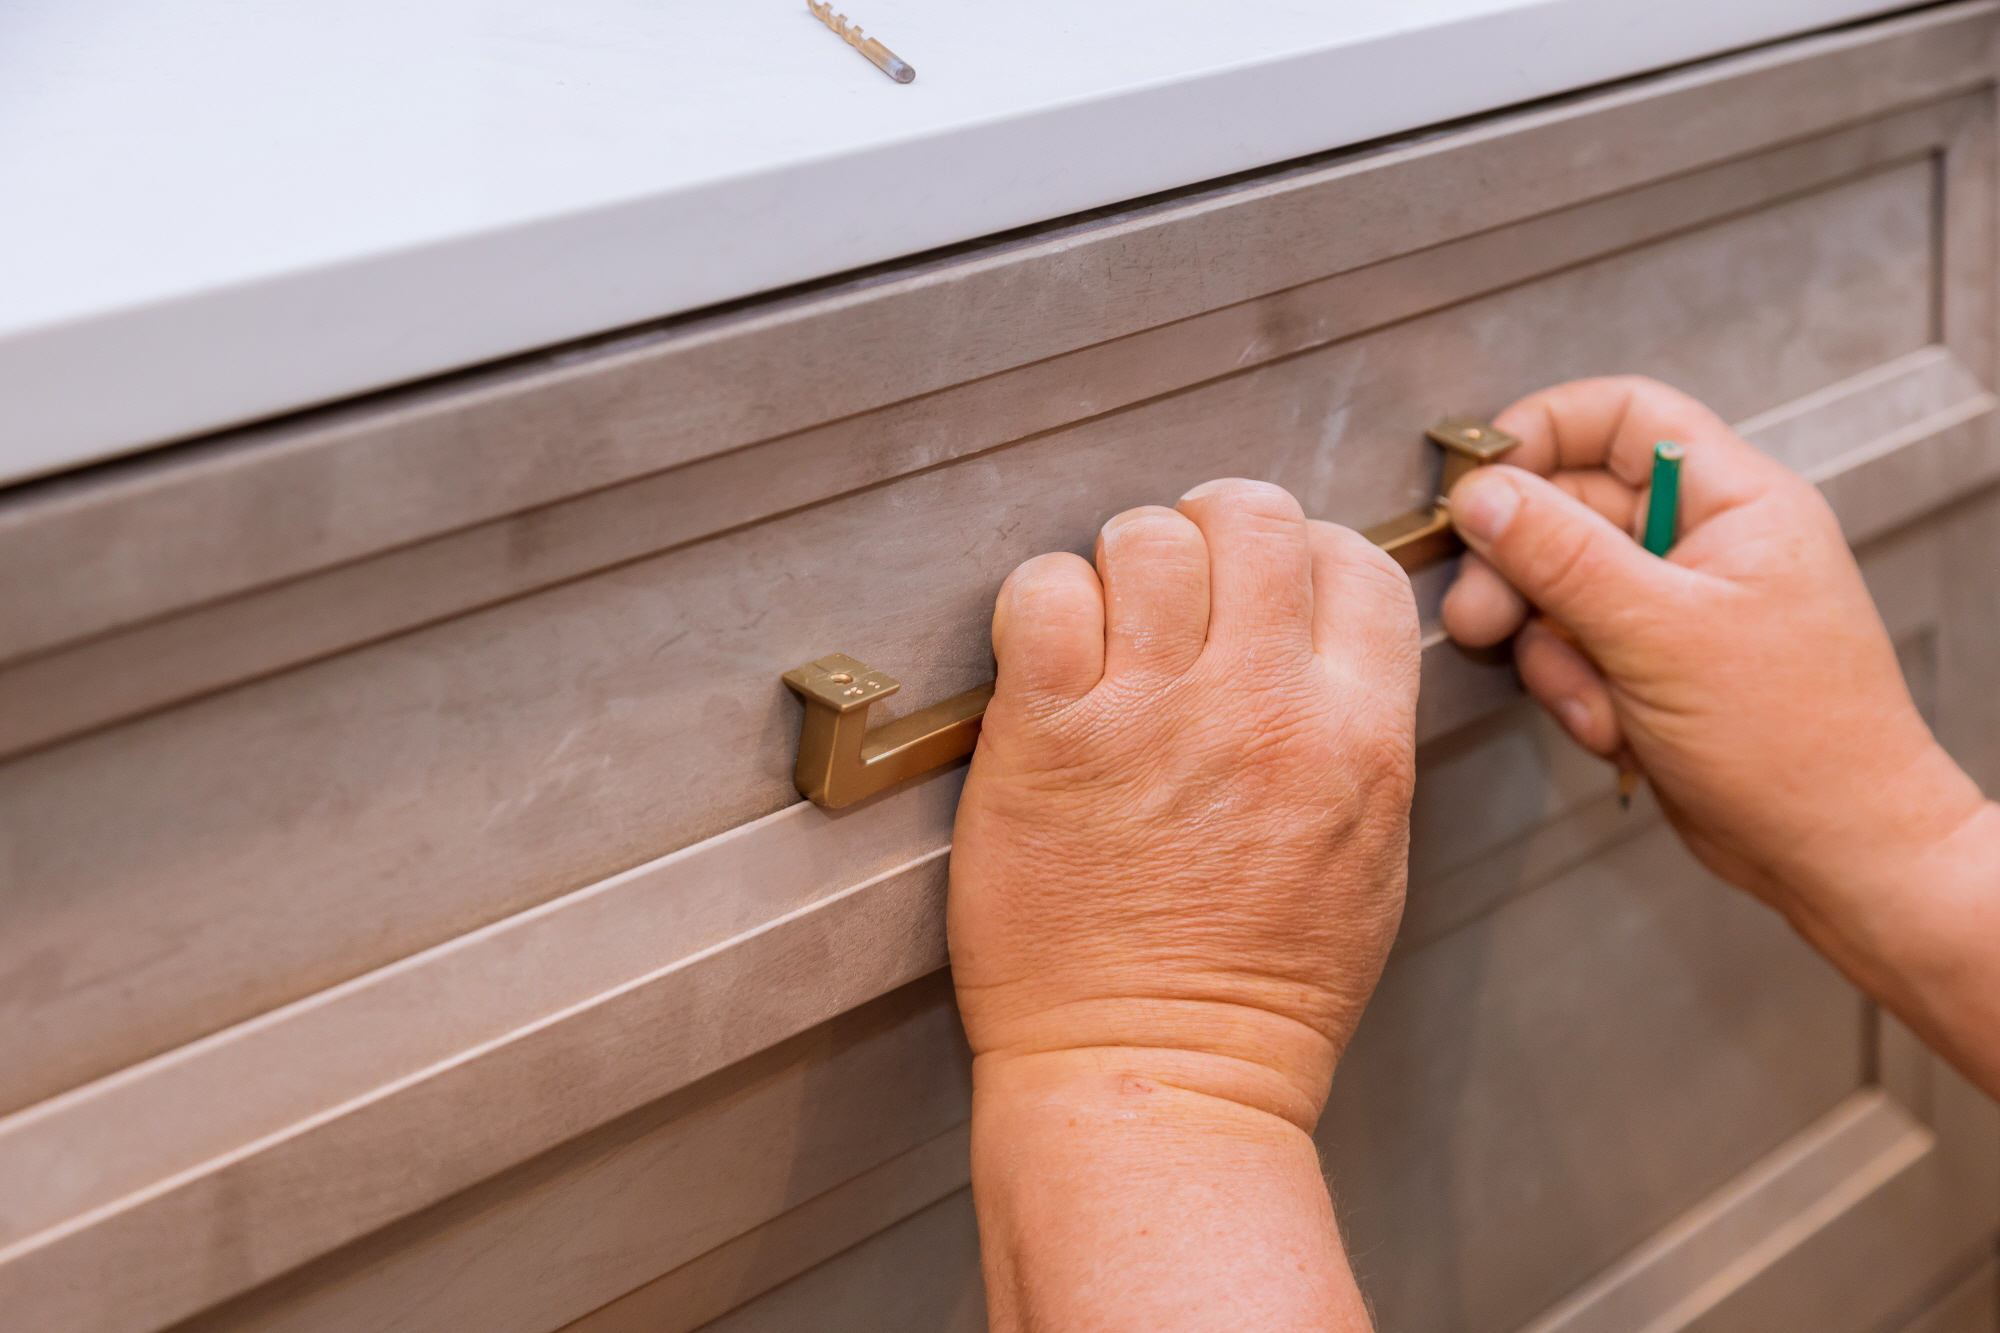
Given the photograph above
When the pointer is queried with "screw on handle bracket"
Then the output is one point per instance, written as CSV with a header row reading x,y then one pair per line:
x,y
841,760
1425,536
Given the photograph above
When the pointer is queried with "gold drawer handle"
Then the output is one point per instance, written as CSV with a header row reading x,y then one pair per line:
x,y
841,760
1425,536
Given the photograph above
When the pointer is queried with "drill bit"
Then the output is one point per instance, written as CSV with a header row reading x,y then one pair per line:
x,y
879,55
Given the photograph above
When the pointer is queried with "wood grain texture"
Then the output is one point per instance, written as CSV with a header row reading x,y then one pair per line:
x,y
382,894
82,556
734,1274
1502,807
723,912
920,1276
226,1222
1972,1306
502,758
1507,849
640,939
1854,1268
53,695
1541,1090
728,1188
1851,1160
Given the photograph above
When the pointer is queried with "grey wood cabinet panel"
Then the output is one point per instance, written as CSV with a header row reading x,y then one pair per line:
x,y
1973,1306
611,965
922,1273
54,695
1862,1263
463,756
219,1225
228,515
406,759
1539,1091
1850,1161
757,1261
752,1172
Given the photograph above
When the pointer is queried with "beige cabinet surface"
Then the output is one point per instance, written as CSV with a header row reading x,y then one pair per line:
x,y
407,920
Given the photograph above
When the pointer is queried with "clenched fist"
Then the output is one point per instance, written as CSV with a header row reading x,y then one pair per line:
x,y
1179,865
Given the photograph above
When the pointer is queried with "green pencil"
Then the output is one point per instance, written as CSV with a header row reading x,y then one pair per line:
x,y
1663,512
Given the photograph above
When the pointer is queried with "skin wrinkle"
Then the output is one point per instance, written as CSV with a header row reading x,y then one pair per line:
x,y
1226,704
1752,681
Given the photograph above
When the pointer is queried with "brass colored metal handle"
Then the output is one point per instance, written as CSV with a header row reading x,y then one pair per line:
x,y
1425,536
841,760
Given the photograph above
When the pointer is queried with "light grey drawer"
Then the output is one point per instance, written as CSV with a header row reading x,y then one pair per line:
x,y
418,771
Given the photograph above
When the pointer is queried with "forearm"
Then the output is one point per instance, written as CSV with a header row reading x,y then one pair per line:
x,y
1919,929
1114,1193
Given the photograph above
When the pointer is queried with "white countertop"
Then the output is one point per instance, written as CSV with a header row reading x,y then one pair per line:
x,y
213,211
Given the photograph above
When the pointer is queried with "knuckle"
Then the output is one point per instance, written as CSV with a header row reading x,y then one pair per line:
x,y
1645,384
1260,498
1150,527
1144,517
1381,572
1039,569
1053,602
1367,563
1045,578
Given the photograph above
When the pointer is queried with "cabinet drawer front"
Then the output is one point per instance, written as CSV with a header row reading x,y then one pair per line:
x,y
520,766
215,859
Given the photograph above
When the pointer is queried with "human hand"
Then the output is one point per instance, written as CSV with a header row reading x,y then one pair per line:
x,y
1747,674
1178,866
1184,835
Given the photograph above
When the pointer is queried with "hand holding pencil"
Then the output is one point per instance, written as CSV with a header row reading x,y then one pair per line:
x,y
1742,668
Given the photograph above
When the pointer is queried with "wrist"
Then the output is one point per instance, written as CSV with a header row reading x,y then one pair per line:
x,y
1891,898
1176,1091
1127,1188
1858,867
1229,1052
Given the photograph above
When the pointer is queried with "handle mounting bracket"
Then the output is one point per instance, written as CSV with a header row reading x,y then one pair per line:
x,y
1425,536
841,760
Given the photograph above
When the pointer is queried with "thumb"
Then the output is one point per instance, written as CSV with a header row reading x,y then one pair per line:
x,y
1561,554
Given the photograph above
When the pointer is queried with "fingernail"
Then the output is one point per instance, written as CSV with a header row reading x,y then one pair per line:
x,y
1483,505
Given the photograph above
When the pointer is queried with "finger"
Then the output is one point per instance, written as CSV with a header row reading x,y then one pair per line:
x,y
1481,608
1364,615
1613,424
1260,567
1566,683
1609,496
1154,566
1563,556
1048,630
1610,423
